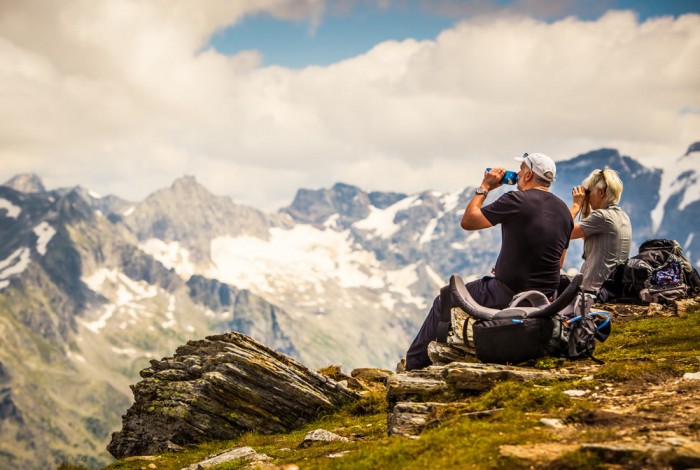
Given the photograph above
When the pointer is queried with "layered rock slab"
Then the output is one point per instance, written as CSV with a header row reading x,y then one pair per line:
x,y
420,399
219,388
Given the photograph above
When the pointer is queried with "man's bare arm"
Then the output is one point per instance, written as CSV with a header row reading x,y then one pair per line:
x,y
473,218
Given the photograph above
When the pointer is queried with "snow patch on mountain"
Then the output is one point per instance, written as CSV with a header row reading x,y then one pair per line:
x,y
96,325
131,352
684,176
428,232
331,222
74,356
130,302
129,211
11,210
448,203
381,221
44,233
14,265
303,255
400,282
170,314
127,290
171,254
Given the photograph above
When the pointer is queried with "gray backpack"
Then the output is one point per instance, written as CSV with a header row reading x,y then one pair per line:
x,y
530,327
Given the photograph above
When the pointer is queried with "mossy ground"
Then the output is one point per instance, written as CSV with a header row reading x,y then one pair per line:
x,y
654,351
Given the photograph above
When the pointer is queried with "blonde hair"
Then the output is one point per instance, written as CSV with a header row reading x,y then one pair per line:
x,y
608,180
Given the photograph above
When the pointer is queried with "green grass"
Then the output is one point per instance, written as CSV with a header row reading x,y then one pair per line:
x,y
577,460
651,349
457,441
639,351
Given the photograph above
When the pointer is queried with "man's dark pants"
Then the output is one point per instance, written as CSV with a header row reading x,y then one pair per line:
x,y
485,291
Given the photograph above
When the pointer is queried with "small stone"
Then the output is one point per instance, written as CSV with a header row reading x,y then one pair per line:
x,y
338,454
655,309
576,393
320,435
245,454
553,423
681,306
692,376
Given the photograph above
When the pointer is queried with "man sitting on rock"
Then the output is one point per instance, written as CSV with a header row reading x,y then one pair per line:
x,y
535,225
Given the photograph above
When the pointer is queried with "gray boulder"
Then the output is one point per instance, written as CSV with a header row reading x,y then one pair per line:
x,y
219,388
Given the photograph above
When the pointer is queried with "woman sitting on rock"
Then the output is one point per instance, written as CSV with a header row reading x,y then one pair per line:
x,y
605,228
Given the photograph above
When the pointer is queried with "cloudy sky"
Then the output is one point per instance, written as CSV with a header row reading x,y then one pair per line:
x,y
257,98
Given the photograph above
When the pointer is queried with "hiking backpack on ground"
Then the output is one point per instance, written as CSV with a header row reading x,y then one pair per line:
x,y
659,273
529,328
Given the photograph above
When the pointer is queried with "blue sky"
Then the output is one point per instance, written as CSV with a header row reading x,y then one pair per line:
x,y
353,29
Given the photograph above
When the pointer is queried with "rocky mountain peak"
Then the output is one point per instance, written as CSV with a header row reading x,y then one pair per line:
x,y
349,202
72,205
383,200
26,183
188,213
695,147
188,187
184,193
185,182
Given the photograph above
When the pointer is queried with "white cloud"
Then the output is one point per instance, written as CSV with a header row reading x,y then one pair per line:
x,y
121,98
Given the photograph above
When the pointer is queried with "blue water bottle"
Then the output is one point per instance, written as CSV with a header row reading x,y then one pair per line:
x,y
511,177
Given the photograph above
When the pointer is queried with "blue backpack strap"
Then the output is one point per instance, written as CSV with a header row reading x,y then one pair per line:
x,y
445,314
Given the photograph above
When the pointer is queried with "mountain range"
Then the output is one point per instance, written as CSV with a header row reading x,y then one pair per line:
x,y
92,287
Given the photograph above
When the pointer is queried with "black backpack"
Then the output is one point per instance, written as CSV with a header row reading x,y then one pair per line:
x,y
659,273
530,327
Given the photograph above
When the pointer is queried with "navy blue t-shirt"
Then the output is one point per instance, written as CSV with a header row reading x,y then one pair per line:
x,y
536,227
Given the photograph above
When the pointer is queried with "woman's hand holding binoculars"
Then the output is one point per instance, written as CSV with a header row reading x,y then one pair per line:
x,y
579,201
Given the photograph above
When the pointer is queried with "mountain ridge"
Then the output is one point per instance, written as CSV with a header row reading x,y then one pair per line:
x,y
93,287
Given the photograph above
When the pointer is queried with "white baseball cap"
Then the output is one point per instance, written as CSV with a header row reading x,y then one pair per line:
x,y
540,164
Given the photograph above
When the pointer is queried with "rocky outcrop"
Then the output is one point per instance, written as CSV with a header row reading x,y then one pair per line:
x,y
458,378
219,388
420,399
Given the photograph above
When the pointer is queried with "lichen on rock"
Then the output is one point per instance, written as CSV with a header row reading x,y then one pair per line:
x,y
219,388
